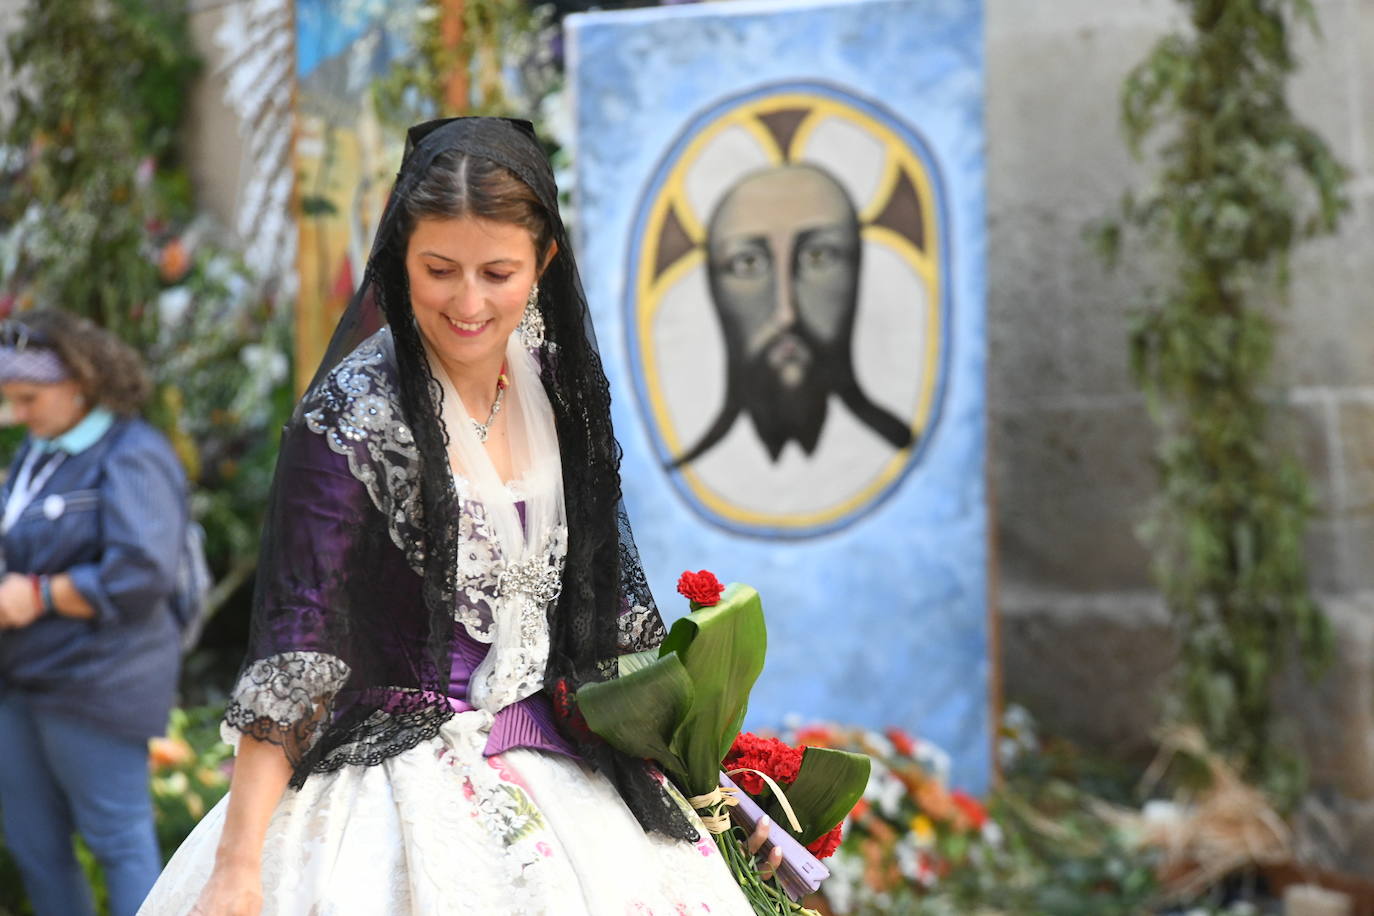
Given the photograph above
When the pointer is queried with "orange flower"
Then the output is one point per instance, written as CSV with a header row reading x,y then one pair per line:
x,y
174,262
882,831
935,801
815,736
166,753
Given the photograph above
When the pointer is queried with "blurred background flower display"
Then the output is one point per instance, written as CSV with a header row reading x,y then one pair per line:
x,y
1109,262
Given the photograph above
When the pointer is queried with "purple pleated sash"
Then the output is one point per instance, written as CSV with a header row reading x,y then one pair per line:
x,y
528,723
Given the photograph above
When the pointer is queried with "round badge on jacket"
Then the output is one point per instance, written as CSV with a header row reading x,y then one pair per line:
x,y
53,507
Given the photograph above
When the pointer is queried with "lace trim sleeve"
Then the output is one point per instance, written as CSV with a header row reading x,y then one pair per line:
x,y
640,628
285,699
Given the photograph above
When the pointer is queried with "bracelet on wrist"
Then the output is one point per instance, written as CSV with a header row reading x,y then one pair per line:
x,y
37,592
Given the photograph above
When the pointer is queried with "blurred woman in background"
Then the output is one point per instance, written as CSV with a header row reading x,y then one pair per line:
x,y
95,512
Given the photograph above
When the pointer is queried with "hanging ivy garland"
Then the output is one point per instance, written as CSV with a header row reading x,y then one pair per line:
x,y
1241,181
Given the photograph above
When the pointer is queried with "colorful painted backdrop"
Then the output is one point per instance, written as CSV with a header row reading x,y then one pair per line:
x,y
347,152
780,215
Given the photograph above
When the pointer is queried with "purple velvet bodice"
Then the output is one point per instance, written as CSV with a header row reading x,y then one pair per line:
x,y
324,495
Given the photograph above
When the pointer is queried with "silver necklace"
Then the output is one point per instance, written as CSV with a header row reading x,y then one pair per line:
x,y
482,429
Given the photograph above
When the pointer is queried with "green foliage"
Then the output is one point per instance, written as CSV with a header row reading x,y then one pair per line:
x,y
685,708
223,376
508,49
493,33
509,46
98,103
13,901
1058,857
1045,845
190,773
1241,182
821,794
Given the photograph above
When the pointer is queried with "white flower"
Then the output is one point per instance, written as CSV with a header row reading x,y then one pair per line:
x,y
992,833
846,878
885,791
880,744
934,759
172,306
264,362
908,855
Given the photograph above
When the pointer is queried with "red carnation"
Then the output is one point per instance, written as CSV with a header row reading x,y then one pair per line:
x,y
970,808
823,847
902,742
779,760
702,588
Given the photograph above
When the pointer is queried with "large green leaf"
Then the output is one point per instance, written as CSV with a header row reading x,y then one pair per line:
x,y
830,783
722,648
640,712
633,661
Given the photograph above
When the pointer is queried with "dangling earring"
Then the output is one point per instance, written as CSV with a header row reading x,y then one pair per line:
x,y
531,326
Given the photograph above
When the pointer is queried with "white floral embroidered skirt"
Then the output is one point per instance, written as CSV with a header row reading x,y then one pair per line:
x,y
440,829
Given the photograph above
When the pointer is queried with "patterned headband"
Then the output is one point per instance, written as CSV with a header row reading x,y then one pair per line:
x,y
39,365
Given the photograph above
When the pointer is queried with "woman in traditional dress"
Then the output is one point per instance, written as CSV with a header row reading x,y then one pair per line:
x,y
446,560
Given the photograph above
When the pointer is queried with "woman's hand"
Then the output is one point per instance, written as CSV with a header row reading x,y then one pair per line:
x,y
757,841
233,890
19,606
261,772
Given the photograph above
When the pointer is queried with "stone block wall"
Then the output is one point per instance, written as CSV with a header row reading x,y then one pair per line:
x,y
1085,640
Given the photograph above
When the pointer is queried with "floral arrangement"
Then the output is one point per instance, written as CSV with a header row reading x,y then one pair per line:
x,y
752,755
681,706
910,831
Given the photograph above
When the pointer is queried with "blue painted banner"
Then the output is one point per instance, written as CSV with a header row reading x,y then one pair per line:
x,y
780,222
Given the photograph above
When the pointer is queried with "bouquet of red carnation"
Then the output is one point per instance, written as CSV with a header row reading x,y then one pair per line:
x,y
682,705
752,757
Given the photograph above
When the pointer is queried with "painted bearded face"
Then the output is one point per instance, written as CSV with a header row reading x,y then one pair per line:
x,y
783,264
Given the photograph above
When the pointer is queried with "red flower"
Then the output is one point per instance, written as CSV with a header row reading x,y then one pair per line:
x,y
903,742
823,847
969,807
779,760
701,588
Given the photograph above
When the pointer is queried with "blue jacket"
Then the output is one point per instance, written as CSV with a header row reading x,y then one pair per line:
x,y
116,527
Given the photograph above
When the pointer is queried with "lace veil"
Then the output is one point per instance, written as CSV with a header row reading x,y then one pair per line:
x,y
370,518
